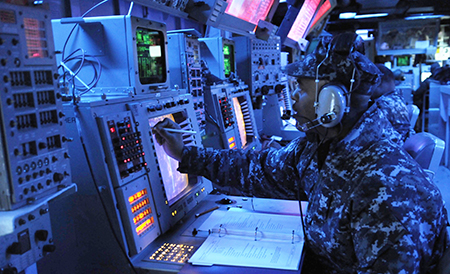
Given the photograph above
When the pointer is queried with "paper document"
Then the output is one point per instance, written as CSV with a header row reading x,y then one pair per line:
x,y
242,238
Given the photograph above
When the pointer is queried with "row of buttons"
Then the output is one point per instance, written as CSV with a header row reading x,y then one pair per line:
x,y
156,107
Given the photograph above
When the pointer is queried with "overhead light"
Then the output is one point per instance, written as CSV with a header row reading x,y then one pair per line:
x,y
353,15
370,15
347,15
423,16
365,34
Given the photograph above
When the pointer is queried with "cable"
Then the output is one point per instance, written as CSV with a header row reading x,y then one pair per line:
x,y
96,75
122,248
101,3
82,59
130,8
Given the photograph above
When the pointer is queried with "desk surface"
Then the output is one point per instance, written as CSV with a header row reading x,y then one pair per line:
x,y
183,234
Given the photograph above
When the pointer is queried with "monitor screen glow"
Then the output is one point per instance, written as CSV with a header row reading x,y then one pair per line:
x,y
240,120
323,11
302,21
249,10
150,56
174,181
228,59
403,61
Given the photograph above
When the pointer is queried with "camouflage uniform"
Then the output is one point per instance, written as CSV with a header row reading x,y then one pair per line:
x,y
393,106
372,209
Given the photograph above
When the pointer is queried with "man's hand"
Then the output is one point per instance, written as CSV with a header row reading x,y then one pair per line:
x,y
172,142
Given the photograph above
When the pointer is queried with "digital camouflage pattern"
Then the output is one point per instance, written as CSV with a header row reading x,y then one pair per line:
x,y
394,108
372,209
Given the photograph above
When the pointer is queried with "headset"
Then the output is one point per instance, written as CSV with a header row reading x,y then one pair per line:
x,y
332,100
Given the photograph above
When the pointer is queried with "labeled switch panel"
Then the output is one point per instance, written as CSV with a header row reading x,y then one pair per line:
x,y
33,139
123,145
227,111
29,240
186,69
221,128
138,214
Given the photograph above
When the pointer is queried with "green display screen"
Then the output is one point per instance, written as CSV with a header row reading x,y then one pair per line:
x,y
403,61
150,47
228,59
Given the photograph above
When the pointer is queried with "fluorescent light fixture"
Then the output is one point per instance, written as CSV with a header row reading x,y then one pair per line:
x,y
347,15
370,15
423,16
353,15
364,33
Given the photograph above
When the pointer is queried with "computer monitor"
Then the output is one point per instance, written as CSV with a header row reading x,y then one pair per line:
x,y
249,10
407,37
219,55
245,120
403,60
325,9
236,16
114,55
174,181
298,22
228,59
152,196
150,51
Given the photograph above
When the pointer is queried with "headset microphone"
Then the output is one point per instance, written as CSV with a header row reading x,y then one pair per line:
x,y
323,120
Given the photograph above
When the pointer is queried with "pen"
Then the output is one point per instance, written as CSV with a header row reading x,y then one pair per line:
x,y
180,131
206,211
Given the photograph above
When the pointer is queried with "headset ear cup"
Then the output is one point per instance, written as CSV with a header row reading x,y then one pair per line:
x,y
332,99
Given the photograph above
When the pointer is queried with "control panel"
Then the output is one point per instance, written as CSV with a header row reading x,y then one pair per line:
x,y
27,240
33,134
138,214
246,127
259,64
174,193
186,70
227,111
122,139
143,193
219,55
221,124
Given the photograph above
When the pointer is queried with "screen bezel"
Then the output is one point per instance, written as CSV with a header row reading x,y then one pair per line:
x,y
162,76
156,87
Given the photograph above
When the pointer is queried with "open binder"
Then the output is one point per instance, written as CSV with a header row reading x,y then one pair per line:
x,y
242,238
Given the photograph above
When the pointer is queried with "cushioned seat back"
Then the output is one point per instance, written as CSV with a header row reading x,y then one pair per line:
x,y
414,112
426,149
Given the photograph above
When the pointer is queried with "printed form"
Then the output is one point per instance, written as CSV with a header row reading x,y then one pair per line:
x,y
242,238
